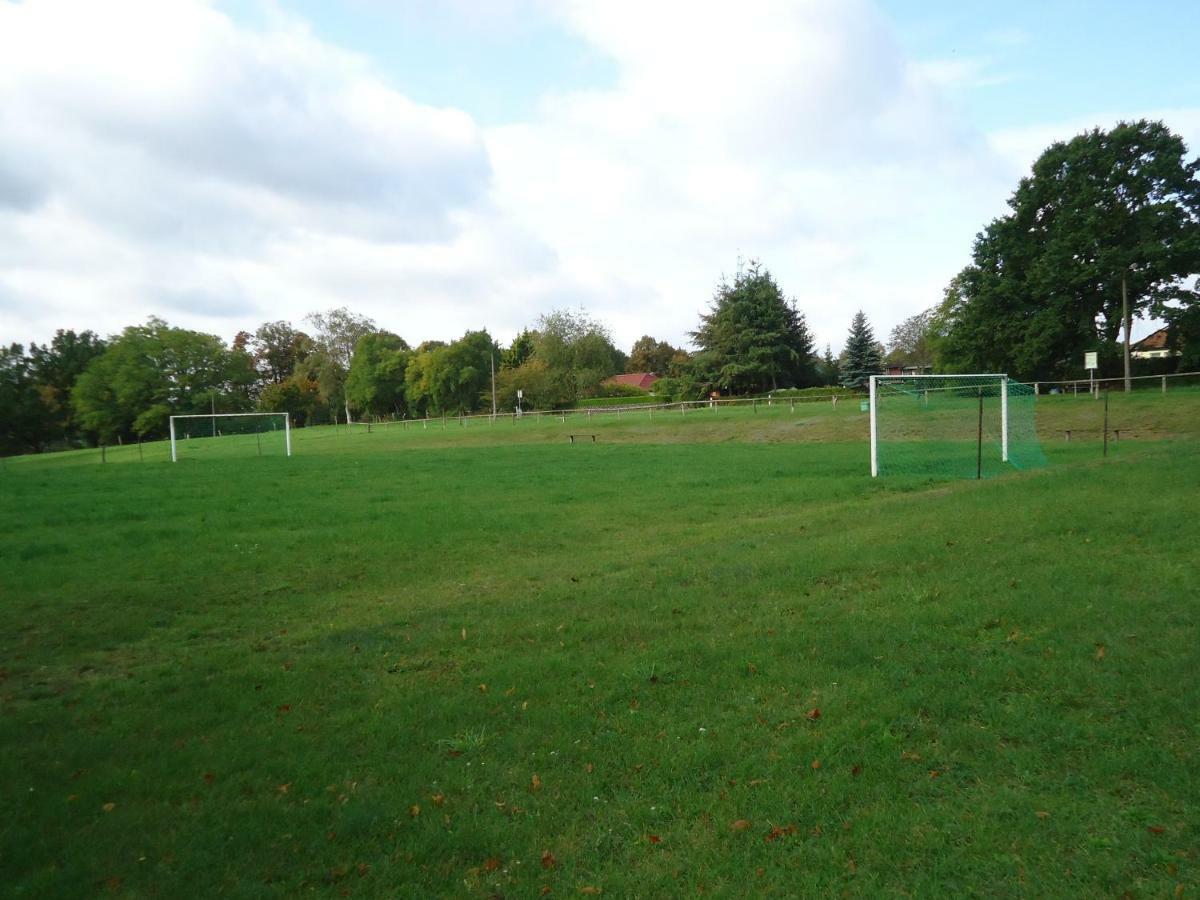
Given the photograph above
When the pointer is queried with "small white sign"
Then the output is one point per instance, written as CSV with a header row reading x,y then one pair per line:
x,y
520,394
1089,360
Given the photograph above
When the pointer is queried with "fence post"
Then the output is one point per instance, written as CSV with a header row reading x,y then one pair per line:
x,y
1164,384
1035,388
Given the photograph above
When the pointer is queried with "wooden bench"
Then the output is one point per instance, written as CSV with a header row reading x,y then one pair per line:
x,y
581,437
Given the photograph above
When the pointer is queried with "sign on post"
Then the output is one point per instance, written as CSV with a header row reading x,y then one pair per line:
x,y
1089,363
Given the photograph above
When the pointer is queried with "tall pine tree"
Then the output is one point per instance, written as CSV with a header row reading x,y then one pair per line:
x,y
753,339
861,358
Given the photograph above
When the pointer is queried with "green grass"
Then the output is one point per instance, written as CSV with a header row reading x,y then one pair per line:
x,y
341,673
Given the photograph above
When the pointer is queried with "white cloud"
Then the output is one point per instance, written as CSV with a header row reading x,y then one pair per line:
x,y
158,158
796,132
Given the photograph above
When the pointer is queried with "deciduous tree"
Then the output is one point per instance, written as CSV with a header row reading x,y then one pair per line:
x,y
1105,229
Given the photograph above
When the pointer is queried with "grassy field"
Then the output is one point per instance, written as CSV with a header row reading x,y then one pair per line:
x,y
703,655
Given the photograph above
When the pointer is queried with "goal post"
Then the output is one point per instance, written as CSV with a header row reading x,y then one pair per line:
x,y
235,433
952,425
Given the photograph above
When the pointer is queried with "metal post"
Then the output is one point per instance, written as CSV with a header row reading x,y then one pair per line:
x,y
171,421
1164,382
979,441
1004,419
258,440
1106,421
287,432
874,430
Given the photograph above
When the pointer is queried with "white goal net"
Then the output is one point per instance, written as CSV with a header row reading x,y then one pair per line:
x,y
230,434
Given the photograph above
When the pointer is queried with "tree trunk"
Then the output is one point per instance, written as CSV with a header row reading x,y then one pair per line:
x,y
1128,321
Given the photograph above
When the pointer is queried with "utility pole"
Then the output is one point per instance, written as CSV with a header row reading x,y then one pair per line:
x,y
212,396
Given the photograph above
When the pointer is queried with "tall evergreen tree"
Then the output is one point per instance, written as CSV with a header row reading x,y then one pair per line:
x,y
753,339
861,358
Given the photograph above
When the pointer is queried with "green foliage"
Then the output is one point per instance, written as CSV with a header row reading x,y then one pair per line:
x,y
278,349
375,383
861,357
578,354
336,332
521,349
454,378
154,365
829,369
1106,211
911,341
752,339
298,396
26,421
649,355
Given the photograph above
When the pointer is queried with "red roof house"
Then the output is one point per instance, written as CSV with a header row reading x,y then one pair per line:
x,y
643,381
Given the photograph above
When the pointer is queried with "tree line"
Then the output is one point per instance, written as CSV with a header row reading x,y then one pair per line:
x,y
1106,228
81,389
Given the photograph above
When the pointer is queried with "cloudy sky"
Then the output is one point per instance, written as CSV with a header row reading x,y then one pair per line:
x,y
441,166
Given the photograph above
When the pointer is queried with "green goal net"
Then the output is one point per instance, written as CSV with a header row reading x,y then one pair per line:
x,y
952,426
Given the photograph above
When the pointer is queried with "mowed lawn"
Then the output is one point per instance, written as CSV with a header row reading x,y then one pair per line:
x,y
692,657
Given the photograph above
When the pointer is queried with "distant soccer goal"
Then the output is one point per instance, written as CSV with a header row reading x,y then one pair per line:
x,y
952,426
231,434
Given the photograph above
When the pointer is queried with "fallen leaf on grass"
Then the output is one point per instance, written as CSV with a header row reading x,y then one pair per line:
x,y
535,783
483,689
856,771
414,811
1042,814
548,860
438,799
654,838
934,773
1155,829
284,788
911,757
284,709
813,714
739,825
491,864
208,777
590,768
779,831
816,764
109,807
1100,650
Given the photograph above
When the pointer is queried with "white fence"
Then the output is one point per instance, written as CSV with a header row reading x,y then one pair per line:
x,y
1087,386
587,412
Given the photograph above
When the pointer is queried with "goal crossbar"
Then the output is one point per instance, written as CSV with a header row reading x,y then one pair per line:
x,y
287,425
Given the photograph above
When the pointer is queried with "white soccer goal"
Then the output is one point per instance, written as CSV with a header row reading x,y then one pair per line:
x,y
239,433
958,426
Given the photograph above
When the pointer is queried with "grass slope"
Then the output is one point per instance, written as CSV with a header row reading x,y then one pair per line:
x,y
436,663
